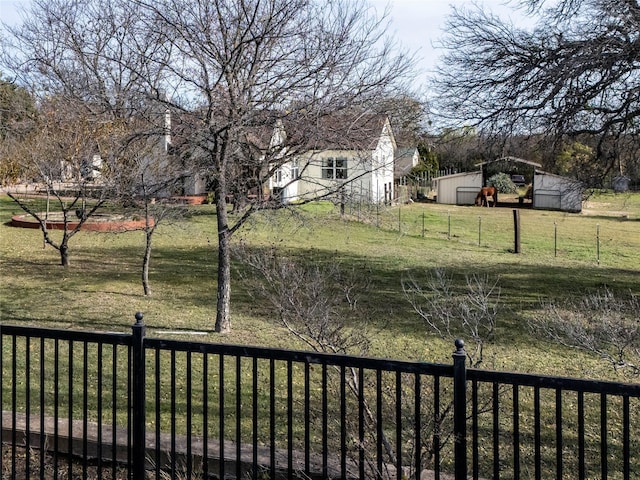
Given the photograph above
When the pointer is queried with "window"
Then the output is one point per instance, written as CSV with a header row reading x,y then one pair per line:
x,y
295,170
334,168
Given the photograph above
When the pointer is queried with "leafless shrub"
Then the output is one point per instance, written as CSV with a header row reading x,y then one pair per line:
x,y
601,323
318,303
314,302
451,312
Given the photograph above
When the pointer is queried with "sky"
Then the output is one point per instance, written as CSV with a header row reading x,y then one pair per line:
x,y
416,24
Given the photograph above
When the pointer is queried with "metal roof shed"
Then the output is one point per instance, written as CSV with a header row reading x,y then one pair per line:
x,y
458,188
550,191
554,192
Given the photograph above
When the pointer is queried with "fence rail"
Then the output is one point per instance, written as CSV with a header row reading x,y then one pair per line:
x,y
130,406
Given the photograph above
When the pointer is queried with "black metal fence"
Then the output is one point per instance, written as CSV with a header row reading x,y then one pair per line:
x,y
90,405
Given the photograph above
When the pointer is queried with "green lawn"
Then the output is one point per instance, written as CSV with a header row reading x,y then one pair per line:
x,y
561,255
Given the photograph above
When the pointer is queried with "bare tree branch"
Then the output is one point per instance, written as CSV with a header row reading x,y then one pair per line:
x,y
452,313
575,73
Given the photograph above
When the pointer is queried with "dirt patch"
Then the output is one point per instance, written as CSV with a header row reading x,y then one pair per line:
x,y
605,213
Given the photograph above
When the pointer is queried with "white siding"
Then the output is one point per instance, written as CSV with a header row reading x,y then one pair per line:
x,y
359,176
459,188
554,192
369,173
285,182
382,168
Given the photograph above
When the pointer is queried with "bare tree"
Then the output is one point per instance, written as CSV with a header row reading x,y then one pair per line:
x,y
228,70
77,51
145,184
318,304
453,312
315,303
601,323
462,149
155,211
575,73
97,127
59,156
238,67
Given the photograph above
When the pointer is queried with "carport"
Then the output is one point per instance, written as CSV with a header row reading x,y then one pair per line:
x,y
511,166
548,191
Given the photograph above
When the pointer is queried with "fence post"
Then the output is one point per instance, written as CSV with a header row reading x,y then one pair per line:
x,y
138,402
516,230
460,409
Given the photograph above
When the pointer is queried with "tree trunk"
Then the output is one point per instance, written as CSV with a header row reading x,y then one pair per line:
x,y
223,313
64,255
145,263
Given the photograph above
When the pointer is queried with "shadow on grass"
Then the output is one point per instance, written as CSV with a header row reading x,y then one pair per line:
x,y
185,278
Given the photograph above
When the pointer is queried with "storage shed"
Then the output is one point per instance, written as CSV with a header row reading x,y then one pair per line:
x,y
458,188
620,184
554,192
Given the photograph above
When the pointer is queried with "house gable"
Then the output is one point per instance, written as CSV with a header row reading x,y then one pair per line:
x,y
406,158
353,156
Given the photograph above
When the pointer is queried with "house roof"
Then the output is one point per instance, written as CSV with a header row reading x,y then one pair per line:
x,y
335,131
300,131
404,157
407,152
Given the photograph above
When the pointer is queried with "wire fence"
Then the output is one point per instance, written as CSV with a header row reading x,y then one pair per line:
x,y
602,239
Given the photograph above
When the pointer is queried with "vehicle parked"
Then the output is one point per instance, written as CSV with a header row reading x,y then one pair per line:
x,y
518,180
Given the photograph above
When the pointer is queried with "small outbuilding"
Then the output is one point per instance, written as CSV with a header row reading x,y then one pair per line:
x,y
554,192
458,188
548,191
620,184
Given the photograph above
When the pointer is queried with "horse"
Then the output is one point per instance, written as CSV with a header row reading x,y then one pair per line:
x,y
481,198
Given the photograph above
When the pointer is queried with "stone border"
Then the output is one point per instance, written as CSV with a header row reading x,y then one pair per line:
x,y
80,438
26,221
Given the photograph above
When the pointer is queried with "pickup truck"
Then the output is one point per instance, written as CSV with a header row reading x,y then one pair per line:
x,y
518,180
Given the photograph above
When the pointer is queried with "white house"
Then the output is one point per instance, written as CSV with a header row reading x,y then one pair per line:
x,y
350,156
406,159
334,156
